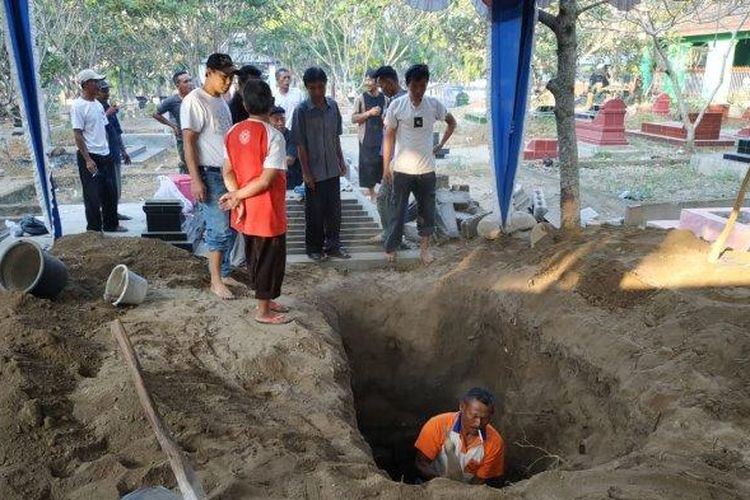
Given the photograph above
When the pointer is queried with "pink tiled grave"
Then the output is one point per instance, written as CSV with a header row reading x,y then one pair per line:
x,y
707,223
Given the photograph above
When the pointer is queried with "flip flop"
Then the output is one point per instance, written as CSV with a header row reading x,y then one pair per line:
x,y
276,319
279,308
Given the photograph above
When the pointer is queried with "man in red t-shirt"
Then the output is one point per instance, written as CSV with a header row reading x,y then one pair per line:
x,y
255,175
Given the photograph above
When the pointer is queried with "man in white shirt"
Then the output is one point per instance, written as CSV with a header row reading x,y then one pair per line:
x,y
205,119
409,122
285,95
95,165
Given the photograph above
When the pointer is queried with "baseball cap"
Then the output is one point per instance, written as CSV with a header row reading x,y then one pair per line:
x,y
88,74
104,84
221,62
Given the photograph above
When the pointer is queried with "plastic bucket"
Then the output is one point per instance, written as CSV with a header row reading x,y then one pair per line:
x,y
125,287
25,267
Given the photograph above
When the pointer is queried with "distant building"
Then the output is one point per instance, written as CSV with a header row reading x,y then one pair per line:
x,y
699,54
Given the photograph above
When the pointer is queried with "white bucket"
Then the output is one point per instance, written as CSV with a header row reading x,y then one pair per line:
x,y
125,287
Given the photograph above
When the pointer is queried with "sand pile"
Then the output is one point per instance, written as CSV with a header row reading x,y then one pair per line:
x,y
47,348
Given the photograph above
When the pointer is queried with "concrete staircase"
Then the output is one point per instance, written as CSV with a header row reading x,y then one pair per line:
x,y
357,228
359,225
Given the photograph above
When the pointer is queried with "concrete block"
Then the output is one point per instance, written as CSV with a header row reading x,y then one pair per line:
x,y
489,228
459,199
520,221
468,224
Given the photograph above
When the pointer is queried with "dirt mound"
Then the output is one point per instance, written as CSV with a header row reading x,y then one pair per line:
x,y
48,347
90,258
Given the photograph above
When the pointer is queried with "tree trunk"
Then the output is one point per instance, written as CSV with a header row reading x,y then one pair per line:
x,y
563,89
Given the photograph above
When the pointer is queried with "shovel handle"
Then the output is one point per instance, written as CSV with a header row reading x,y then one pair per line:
x,y
190,486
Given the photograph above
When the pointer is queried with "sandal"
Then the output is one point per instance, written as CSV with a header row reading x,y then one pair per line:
x,y
276,319
278,308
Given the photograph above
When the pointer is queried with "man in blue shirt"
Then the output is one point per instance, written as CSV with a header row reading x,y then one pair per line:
x,y
316,129
114,138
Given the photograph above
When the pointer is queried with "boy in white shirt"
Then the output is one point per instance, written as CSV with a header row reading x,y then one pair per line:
x,y
409,123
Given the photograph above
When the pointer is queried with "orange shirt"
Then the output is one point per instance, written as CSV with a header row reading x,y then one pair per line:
x,y
483,457
251,147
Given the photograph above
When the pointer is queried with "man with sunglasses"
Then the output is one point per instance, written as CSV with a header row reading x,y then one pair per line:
x,y
205,120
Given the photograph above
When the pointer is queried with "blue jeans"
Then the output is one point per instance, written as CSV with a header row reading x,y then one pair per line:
x,y
219,235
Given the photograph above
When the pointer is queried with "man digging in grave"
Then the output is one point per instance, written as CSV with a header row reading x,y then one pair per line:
x,y
462,445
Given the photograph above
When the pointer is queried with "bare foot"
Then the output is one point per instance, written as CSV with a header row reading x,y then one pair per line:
x,y
390,256
426,257
229,281
221,291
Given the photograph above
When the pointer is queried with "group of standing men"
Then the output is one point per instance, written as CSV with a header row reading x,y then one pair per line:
x,y
396,153
397,150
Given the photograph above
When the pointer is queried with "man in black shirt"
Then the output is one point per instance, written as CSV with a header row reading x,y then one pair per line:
x,y
246,73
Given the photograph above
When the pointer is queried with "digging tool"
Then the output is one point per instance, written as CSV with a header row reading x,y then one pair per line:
x,y
190,486
719,245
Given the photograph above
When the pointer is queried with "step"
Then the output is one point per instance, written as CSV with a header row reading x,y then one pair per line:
x,y
344,202
344,218
346,211
344,225
346,241
346,233
353,249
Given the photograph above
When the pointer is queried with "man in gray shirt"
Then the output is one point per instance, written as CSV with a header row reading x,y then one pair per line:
x,y
316,129
171,105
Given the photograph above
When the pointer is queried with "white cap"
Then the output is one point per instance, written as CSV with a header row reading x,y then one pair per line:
x,y
88,74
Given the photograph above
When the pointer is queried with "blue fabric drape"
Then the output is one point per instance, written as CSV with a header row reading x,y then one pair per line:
x,y
21,49
512,37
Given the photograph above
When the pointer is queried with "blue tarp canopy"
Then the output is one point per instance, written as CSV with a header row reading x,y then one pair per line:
x,y
21,48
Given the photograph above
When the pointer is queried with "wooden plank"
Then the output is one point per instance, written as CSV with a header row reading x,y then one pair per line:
x,y
190,486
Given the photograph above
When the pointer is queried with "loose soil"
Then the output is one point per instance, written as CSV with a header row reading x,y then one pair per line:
x,y
620,361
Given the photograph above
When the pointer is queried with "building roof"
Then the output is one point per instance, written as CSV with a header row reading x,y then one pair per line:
x,y
713,23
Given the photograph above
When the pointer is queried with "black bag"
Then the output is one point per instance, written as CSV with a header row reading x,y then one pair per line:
x,y
32,226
